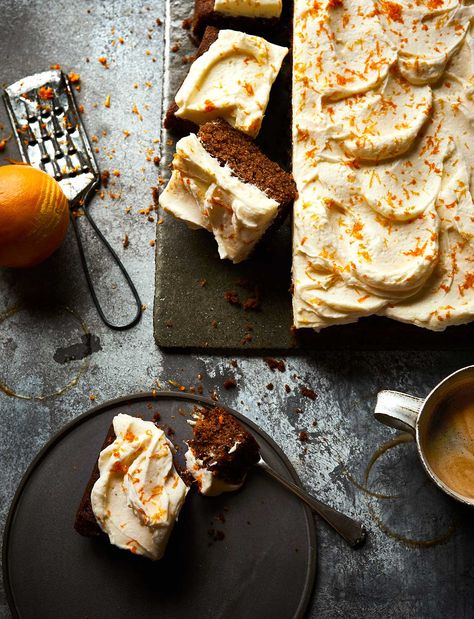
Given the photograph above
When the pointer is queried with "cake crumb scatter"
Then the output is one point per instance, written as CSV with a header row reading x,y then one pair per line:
x,y
308,393
275,364
230,383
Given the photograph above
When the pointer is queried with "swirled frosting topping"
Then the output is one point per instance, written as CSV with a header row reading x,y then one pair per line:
x,y
139,494
231,80
382,138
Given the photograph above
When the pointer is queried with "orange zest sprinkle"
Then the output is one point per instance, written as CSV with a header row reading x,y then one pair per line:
x,y
209,105
46,93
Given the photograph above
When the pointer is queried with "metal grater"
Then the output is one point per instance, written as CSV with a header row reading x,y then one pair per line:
x,y
50,136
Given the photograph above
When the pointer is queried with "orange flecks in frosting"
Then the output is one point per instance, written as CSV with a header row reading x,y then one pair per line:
x,y
356,230
468,283
392,10
249,89
418,251
119,467
209,105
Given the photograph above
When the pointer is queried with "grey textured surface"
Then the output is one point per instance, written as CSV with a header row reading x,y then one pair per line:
x,y
393,575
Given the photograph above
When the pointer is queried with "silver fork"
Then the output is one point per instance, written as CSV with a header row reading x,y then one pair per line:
x,y
351,530
51,137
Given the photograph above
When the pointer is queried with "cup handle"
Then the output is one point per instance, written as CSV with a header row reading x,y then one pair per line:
x,y
398,410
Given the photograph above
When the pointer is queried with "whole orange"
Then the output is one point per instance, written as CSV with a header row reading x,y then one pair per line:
x,y
34,216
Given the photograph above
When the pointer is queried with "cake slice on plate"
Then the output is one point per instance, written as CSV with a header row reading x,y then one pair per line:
x,y
221,452
134,494
222,182
231,79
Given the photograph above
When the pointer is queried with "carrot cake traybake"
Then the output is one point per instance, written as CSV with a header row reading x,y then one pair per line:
x,y
383,158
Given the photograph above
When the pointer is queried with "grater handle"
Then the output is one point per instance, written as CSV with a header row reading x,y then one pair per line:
x,y
119,263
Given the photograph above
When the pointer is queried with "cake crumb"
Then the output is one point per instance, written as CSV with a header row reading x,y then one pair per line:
x,y
155,194
232,297
230,383
308,393
303,436
125,241
104,178
270,387
251,303
275,364
287,388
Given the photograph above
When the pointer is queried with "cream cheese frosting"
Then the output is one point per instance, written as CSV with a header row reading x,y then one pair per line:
x,y
382,157
205,194
249,8
231,80
139,494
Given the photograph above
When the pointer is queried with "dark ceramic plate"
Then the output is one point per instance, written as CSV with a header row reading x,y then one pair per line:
x,y
247,554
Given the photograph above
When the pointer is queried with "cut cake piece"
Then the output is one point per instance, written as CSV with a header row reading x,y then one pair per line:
x,y
231,78
222,182
254,16
134,494
221,452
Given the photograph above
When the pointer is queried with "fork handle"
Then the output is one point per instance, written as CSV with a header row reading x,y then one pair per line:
x,y
351,530
119,263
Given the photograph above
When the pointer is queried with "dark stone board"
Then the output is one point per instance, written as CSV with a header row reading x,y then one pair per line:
x,y
191,314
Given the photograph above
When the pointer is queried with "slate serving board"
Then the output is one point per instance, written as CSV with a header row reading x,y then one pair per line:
x,y
191,311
